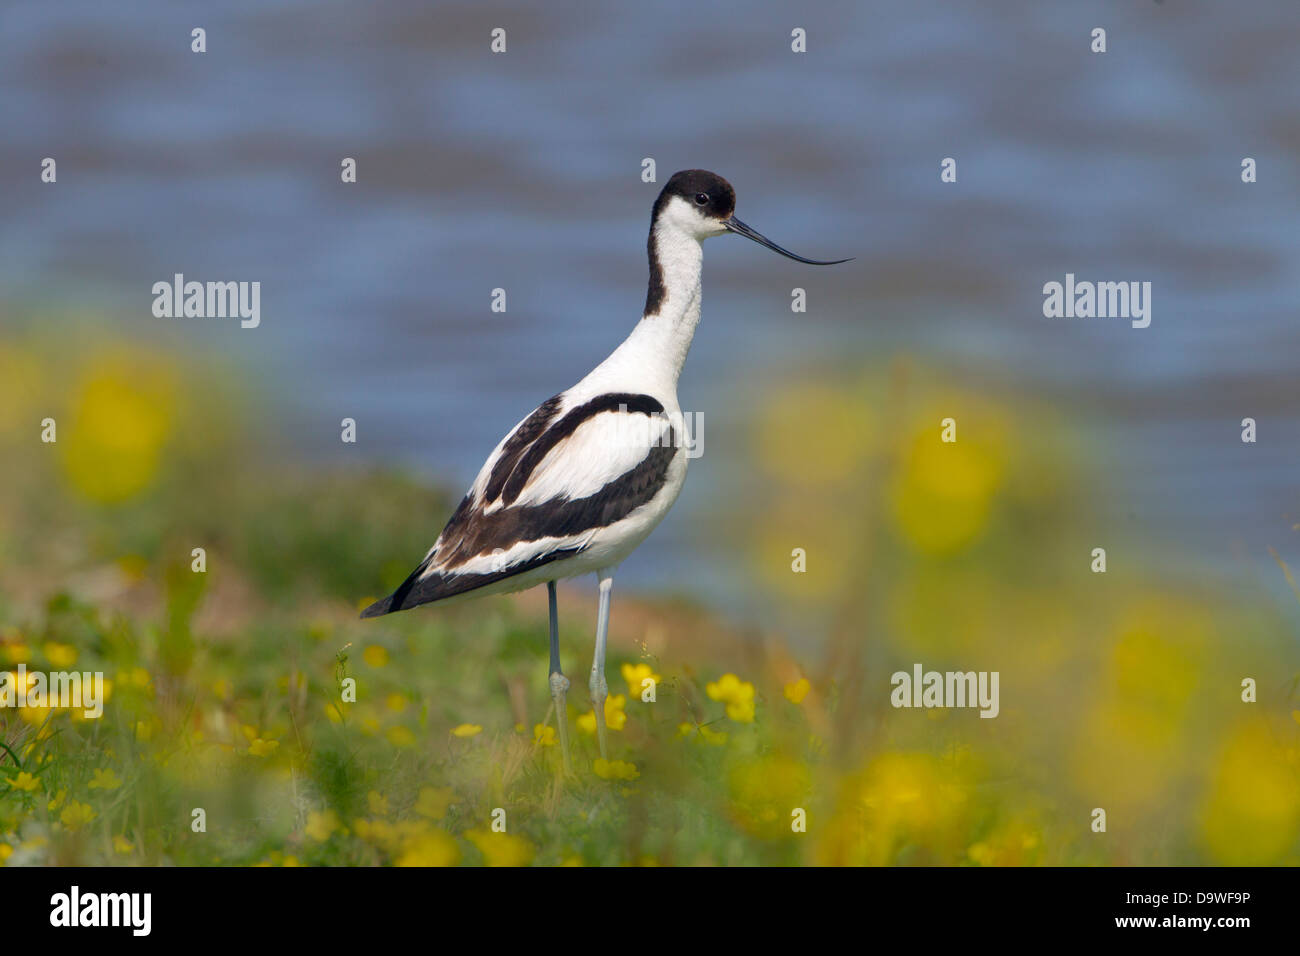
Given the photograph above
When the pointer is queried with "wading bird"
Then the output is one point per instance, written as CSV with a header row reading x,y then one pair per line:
x,y
580,482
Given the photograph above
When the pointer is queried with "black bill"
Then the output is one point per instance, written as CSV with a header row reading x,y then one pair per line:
x,y
738,227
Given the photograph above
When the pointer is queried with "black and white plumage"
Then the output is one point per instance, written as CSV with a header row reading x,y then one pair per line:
x,y
579,483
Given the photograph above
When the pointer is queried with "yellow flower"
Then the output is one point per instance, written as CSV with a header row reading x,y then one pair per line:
x,y
60,656
1251,814
430,848
434,802
396,702
105,779
6,851
123,846
262,748
615,718
502,849
796,692
636,675
615,769
467,730
18,653
378,803
121,418
321,825
375,655
737,694
24,781
400,736
57,801
76,814
544,735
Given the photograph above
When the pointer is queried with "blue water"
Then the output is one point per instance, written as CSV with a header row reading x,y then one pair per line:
x,y
522,171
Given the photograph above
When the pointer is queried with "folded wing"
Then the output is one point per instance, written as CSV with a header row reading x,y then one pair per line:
x,y
564,473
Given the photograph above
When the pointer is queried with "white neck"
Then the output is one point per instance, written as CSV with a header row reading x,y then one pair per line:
x,y
656,349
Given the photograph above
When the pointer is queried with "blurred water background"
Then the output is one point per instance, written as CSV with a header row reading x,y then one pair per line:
x,y
522,171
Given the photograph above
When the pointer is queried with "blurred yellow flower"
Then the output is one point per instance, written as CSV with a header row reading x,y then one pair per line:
x,y
467,730
375,655
6,851
797,691
1251,815
123,846
262,748
400,736
17,653
1012,844
24,781
900,800
615,769
635,675
944,491
320,825
431,847
765,792
60,656
737,694
105,779
76,815
501,849
433,802
396,702
119,423
543,735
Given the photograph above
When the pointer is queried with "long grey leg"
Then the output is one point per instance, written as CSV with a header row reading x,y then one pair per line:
x,y
597,685
559,683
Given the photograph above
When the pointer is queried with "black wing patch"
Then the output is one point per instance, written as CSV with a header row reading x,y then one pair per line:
x,y
566,426
475,533
517,444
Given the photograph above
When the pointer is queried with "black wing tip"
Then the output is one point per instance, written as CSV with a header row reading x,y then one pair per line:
x,y
379,608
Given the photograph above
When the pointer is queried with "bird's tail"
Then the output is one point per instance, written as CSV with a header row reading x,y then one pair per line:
x,y
402,598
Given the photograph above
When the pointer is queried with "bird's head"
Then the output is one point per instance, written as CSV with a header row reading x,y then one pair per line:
x,y
703,204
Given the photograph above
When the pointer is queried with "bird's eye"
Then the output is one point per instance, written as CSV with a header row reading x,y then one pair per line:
x,y
701,199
